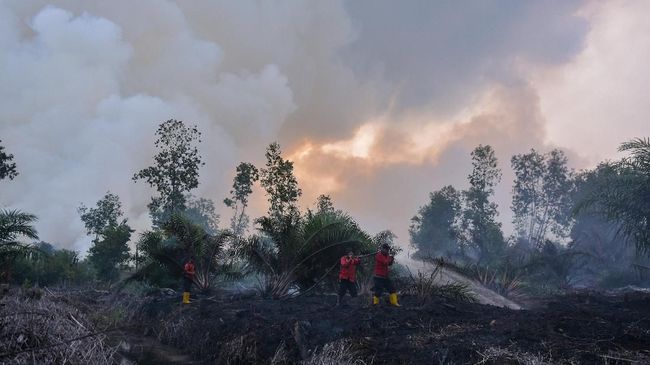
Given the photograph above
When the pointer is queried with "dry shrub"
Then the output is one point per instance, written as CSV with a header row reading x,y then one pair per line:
x,y
498,355
276,286
425,286
46,329
504,281
339,352
241,350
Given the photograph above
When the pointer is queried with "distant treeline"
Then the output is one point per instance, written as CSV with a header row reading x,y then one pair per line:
x,y
586,228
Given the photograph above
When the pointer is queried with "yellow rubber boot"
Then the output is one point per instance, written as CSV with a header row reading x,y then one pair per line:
x,y
375,300
186,297
393,300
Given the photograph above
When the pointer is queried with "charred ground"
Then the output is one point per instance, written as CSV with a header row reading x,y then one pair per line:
x,y
583,328
580,328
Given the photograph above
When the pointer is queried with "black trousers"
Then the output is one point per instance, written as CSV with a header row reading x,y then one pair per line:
x,y
346,286
382,284
187,284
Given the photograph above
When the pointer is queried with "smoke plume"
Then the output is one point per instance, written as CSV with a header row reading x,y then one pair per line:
x,y
377,102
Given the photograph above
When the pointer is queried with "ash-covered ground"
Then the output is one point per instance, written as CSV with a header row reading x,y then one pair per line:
x,y
582,328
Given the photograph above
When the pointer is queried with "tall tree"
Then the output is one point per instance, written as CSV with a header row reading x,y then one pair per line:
x,y
324,204
542,196
110,252
281,187
107,212
175,171
481,231
242,187
434,230
110,248
202,212
7,167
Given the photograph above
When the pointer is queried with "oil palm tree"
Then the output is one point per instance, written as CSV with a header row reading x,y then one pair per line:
x,y
620,192
14,224
179,239
301,254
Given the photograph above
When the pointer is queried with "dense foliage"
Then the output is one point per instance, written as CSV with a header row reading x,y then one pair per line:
x,y
14,225
434,230
164,252
110,250
621,193
571,229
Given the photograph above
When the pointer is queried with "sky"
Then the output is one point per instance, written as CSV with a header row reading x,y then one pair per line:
x,y
377,102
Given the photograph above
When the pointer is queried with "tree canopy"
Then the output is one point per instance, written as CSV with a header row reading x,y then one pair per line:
x,y
7,166
176,168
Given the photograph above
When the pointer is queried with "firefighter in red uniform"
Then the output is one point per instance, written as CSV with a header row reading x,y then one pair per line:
x,y
188,278
348,276
383,260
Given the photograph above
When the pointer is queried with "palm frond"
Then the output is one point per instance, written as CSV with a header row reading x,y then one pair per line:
x,y
639,148
14,223
261,253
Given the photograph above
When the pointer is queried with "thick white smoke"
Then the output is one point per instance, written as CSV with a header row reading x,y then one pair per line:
x,y
378,104
80,103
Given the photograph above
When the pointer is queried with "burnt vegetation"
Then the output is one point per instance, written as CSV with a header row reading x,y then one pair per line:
x,y
568,286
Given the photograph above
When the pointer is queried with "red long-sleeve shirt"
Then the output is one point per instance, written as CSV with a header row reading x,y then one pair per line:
x,y
382,262
349,268
189,270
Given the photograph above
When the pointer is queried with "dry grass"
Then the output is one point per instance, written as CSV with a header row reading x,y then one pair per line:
x,y
241,350
281,356
339,352
498,355
625,357
39,327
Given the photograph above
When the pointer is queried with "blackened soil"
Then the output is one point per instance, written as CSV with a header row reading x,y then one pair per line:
x,y
581,328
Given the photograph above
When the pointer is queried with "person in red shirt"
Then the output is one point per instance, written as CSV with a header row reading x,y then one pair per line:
x,y
348,276
382,282
188,279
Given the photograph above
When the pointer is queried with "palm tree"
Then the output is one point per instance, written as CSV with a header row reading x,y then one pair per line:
x,y
302,254
14,224
179,239
621,193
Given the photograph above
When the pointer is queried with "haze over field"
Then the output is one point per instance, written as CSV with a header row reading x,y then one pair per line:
x,y
367,97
